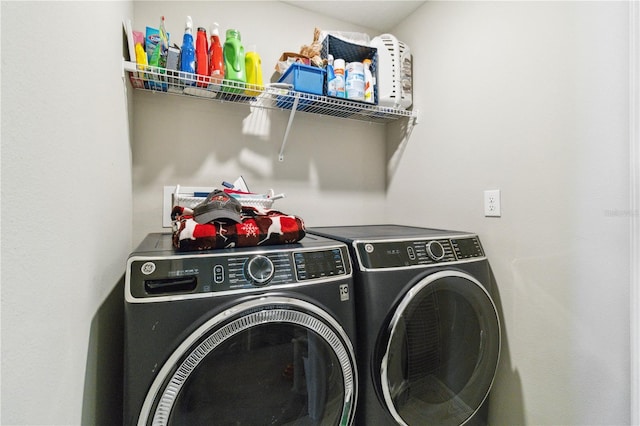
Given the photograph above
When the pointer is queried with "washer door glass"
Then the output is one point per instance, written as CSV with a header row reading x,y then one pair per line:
x,y
276,361
441,352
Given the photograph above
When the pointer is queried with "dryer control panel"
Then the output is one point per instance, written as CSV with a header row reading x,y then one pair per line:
x,y
419,252
233,271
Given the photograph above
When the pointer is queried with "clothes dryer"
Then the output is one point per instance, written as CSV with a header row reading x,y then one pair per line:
x,y
240,336
428,327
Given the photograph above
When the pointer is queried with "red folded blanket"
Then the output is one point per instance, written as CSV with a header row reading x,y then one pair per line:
x,y
257,228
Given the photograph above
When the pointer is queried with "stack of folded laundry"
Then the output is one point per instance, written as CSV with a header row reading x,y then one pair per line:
x,y
234,217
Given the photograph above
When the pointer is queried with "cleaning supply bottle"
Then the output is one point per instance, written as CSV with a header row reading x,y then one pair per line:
x,y
368,82
331,78
253,66
141,60
158,56
159,59
188,55
234,65
354,82
216,59
338,70
202,57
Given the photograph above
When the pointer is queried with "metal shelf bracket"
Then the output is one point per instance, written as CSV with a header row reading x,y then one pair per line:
x,y
294,108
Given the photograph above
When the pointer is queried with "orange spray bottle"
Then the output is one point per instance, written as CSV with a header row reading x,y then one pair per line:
x,y
216,58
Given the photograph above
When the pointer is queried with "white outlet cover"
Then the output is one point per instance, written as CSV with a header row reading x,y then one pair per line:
x,y
492,206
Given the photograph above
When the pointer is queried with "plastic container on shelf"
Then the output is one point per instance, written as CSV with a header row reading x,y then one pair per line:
x,y
354,81
188,55
339,78
235,75
141,61
394,86
141,57
331,84
216,58
253,66
158,59
304,78
202,57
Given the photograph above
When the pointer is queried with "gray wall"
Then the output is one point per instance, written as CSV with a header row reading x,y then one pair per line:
x,y
533,98
66,211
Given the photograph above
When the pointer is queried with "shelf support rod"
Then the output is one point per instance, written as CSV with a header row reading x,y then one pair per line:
x,y
294,108
412,122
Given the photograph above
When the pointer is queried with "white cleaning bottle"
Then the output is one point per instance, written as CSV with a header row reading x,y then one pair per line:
x,y
338,70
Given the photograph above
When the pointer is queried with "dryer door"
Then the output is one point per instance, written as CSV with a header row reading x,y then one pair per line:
x,y
441,352
273,360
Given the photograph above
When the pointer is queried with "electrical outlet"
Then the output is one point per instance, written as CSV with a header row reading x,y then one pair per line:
x,y
492,203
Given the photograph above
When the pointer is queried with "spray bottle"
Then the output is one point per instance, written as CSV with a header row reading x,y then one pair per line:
x,y
216,58
202,57
159,58
188,55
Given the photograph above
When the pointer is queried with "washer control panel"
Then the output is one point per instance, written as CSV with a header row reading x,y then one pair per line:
x,y
234,271
419,252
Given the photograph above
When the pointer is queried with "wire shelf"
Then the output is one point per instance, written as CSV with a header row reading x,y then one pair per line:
x,y
271,96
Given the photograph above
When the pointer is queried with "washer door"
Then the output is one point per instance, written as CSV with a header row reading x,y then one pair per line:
x,y
441,351
272,360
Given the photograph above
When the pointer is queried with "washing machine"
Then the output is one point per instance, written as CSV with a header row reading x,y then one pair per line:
x,y
242,336
428,328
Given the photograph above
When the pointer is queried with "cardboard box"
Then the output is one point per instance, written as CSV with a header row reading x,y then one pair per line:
x,y
289,58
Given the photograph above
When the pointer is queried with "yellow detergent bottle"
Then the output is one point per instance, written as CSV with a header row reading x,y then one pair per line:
x,y
253,67
141,60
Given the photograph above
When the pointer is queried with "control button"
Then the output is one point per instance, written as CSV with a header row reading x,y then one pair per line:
x,y
218,274
368,248
435,250
259,270
411,252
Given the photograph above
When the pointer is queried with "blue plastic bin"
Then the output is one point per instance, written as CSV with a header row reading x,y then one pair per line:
x,y
304,78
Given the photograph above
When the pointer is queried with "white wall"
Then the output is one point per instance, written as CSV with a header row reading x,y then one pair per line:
x,y
66,211
333,171
532,98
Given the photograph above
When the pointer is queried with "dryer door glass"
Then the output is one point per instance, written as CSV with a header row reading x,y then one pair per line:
x,y
271,363
442,351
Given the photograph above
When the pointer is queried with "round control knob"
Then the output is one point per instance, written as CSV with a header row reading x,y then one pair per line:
x,y
260,270
435,250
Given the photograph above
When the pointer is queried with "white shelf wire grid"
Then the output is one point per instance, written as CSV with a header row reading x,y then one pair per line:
x,y
270,96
